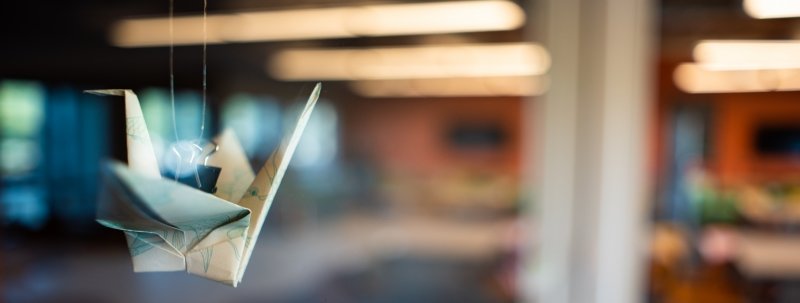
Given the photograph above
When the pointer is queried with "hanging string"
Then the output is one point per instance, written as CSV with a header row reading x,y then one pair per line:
x,y
172,69
205,68
196,147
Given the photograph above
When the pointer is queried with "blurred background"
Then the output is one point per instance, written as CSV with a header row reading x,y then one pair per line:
x,y
462,151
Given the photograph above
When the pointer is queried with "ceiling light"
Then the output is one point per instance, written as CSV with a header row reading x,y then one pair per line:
x,y
452,87
747,54
323,23
765,9
155,32
289,25
436,18
695,78
445,61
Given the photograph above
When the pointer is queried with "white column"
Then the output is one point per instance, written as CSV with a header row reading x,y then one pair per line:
x,y
589,149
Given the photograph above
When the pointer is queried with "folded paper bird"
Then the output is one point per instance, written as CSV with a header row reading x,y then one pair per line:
x,y
170,226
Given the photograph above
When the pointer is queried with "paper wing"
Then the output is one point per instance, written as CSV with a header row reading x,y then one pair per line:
x,y
236,175
141,155
145,234
172,227
261,193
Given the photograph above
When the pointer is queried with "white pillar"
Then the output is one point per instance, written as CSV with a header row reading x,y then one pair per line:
x,y
590,186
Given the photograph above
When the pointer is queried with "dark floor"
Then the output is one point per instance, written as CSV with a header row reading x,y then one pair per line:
x,y
329,264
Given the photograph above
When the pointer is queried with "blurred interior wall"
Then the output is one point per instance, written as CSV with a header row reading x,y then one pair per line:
x,y
410,136
589,170
738,116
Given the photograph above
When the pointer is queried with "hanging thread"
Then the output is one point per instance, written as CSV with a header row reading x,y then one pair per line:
x,y
172,69
188,153
205,68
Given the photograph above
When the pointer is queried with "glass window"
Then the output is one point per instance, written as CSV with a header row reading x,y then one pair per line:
x,y
256,121
21,119
317,148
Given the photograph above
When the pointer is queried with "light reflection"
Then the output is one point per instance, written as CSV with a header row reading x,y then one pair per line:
x,y
157,112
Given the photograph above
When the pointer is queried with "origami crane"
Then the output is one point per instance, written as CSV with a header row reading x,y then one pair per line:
x,y
171,226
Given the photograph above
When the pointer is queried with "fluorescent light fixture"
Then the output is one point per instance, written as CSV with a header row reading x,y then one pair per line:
x,y
289,25
747,54
765,9
436,18
695,78
324,23
452,87
421,62
155,32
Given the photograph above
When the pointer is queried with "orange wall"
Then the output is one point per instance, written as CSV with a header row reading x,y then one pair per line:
x,y
736,119
409,136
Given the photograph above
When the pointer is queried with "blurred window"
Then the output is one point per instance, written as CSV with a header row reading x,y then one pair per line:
x,y
256,121
319,144
20,122
259,124
75,143
51,145
21,119
157,113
